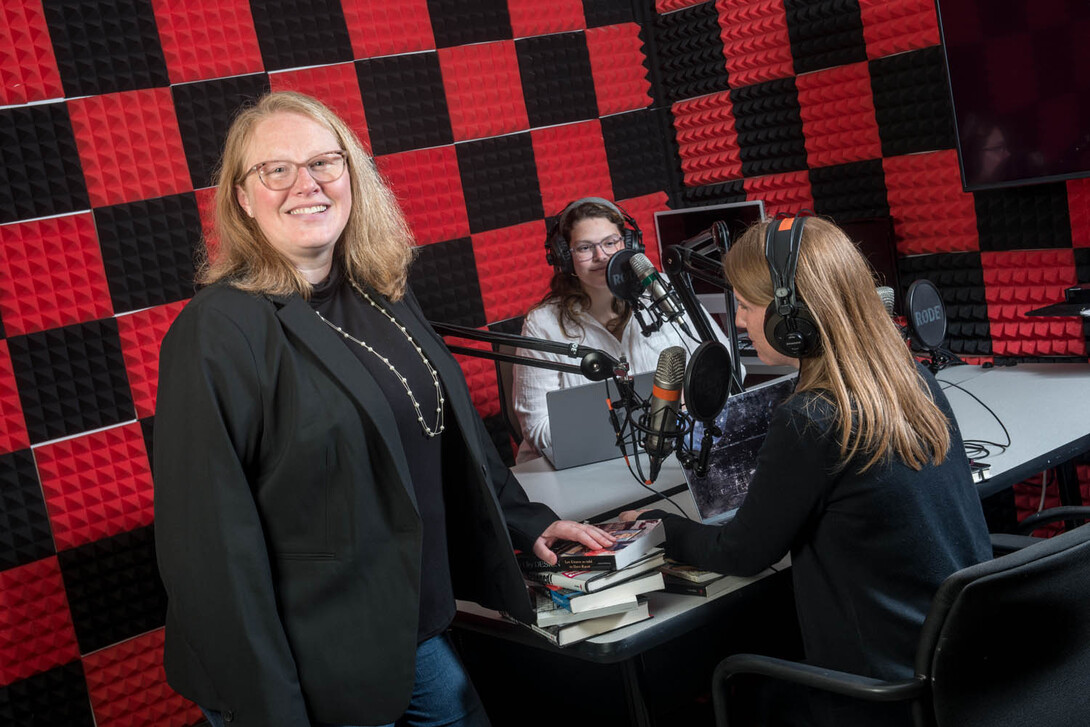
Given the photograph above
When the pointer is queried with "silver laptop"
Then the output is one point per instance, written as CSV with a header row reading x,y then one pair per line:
x,y
733,457
579,422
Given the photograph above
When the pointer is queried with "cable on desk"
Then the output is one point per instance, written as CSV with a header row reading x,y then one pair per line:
x,y
976,449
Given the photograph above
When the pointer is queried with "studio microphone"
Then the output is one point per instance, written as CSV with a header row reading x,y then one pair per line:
x,y
665,402
662,297
886,294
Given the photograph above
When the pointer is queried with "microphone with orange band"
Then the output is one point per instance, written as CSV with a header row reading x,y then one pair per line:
x,y
662,421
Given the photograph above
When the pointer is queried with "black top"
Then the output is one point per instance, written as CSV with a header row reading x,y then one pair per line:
x,y
868,550
339,303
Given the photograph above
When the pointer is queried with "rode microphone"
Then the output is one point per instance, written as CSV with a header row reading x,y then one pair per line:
x,y
888,300
662,421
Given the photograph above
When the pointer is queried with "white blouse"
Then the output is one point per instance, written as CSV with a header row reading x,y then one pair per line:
x,y
529,384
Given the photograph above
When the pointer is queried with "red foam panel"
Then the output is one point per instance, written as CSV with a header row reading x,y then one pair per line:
x,y
13,434
36,631
571,163
96,485
787,193
130,146
54,274
141,335
484,90
511,268
480,375
707,141
1078,206
206,208
931,213
28,68
895,27
528,18
388,27
429,189
643,209
755,40
336,86
128,686
837,109
204,39
616,62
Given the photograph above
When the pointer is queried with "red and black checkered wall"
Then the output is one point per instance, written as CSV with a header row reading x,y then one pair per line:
x,y
486,117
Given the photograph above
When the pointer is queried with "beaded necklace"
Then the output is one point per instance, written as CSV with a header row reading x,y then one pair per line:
x,y
440,425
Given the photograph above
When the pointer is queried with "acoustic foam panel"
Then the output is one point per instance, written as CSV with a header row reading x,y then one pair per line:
x,y
481,376
296,33
894,27
931,212
557,81
337,86
636,144
187,30
824,34
616,61
104,46
511,269
96,485
690,52
850,191
499,181
960,279
483,90
709,194
204,111
444,281
405,102
147,428
54,698
461,22
788,192
24,523
528,19
141,336
1024,217
428,186
571,163
28,68
36,633
768,121
55,274
912,102
837,111
756,43
13,434
388,27
706,139
113,587
71,379
607,12
148,250
41,173
1078,209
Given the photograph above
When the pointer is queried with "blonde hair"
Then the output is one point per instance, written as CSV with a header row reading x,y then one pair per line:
x,y
376,247
863,366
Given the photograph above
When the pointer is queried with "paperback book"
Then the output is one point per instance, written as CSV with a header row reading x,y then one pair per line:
x,y
589,581
579,602
688,572
548,613
635,539
568,634
705,589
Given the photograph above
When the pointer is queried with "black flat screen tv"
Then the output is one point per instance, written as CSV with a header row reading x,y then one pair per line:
x,y
1020,84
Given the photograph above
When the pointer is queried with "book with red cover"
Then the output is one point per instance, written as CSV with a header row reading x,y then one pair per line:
x,y
635,539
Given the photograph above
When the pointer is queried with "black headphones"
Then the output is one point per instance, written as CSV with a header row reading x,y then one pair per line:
x,y
557,252
789,327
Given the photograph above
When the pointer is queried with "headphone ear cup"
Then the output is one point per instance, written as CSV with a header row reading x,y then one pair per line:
x,y
633,239
797,337
557,253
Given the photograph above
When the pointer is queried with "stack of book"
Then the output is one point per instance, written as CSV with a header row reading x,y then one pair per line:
x,y
592,592
685,579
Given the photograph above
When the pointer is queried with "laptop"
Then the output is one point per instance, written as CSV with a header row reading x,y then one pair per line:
x,y
579,422
733,456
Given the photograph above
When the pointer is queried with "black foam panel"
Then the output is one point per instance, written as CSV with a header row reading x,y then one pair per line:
x,y
113,587
690,53
768,121
148,250
824,34
297,33
850,191
557,82
461,22
25,534
444,280
499,182
709,194
1082,264
636,145
608,12
41,173
912,102
104,46
405,102
71,379
1030,217
54,698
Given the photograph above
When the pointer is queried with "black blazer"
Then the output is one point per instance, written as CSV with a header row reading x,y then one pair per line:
x,y
286,526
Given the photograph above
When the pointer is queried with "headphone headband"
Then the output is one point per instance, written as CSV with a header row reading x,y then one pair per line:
x,y
789,327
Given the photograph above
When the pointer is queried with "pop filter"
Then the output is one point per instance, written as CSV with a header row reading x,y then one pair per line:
x,y
620,278
707,381
926,314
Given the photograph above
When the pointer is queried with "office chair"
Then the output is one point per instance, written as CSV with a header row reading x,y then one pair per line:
x,y
971,668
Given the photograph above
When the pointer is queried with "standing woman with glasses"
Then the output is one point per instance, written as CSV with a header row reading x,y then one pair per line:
x,y
324,488
579,308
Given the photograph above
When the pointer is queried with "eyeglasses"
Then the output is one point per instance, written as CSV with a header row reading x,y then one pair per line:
x,y
585,250
281,175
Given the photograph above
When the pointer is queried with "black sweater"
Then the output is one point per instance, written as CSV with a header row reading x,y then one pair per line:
x,y
868,551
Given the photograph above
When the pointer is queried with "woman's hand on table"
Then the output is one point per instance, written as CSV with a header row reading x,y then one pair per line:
x,y
589,535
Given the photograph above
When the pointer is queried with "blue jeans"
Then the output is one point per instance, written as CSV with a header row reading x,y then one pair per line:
x,y
443,696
